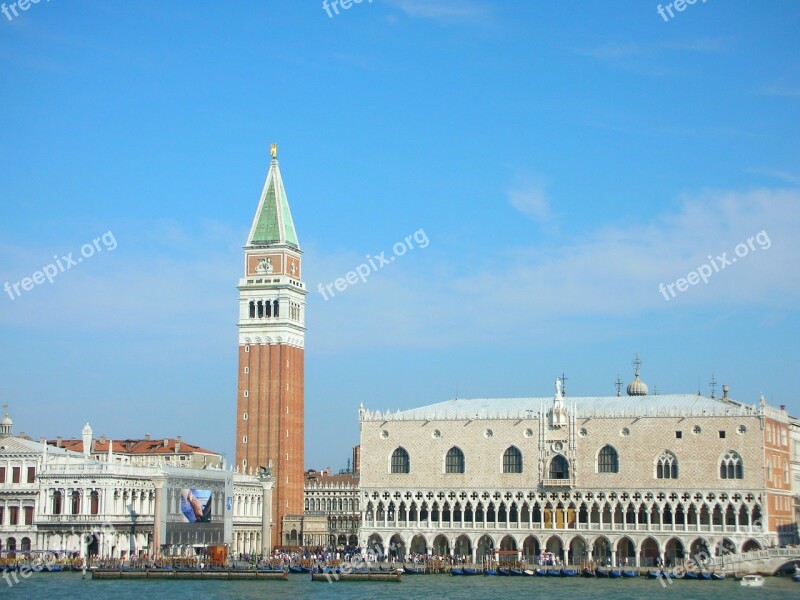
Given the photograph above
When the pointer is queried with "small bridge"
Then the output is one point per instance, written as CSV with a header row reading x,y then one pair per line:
x,y
764,562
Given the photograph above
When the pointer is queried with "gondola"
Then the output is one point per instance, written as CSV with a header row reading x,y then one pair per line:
x,y
294,569
503,572
554,573
568,573
456,572
490,572
515,572
470,572
630,573
540,572
601,573
588,573
614,573
413,571
690,575
528,573
705,576
718,576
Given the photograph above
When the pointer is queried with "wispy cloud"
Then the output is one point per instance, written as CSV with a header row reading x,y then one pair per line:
x,y
442,10
608,51
717,44
781,90
784,176
532,201
573,283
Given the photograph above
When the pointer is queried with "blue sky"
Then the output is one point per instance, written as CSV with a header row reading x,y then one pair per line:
x,y
562,158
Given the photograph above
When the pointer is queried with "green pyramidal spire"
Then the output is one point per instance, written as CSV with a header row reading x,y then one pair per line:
x,y
273,221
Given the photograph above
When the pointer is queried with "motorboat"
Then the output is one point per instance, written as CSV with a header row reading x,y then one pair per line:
x,y
752,581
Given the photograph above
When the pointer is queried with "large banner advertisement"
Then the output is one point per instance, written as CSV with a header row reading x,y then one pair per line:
x,y
196,505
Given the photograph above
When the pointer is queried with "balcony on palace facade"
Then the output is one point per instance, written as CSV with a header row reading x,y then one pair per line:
x,y
557,483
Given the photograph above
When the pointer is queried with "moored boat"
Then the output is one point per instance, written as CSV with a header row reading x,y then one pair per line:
x,y
630,573
588,573
718,576
752,581
568,573
614,573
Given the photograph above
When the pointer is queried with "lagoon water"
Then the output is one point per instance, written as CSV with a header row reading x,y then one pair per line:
x,y
70,585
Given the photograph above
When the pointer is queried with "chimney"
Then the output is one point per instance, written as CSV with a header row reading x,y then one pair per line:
x,y
177,445
725,389
147,437
103,438
166,442
783,407
58,442
179,437
42,440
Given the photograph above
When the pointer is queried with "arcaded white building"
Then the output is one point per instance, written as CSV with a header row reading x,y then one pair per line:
x,y
55,499
614,479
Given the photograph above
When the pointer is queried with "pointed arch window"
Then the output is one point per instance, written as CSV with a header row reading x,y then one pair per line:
x,y
667,466
608,460
454,461
512,460
400,461
559,467
731,466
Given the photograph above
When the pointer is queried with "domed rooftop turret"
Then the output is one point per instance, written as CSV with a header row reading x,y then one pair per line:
x,y
6,426
637,387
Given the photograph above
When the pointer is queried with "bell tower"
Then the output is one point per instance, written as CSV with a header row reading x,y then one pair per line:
x,y
269,418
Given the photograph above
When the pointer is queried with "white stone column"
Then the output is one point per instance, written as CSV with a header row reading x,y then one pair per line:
x,y
159,514
266,515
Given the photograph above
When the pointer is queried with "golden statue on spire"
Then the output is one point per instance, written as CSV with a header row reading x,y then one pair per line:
x,y
273,150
